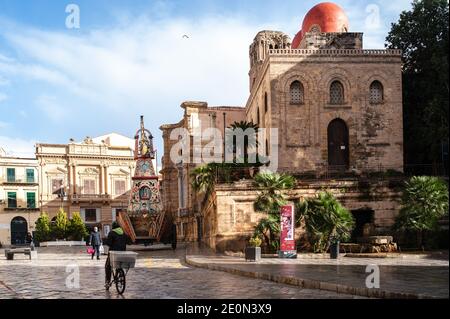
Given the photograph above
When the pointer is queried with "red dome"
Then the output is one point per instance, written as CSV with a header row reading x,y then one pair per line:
x,y
326,17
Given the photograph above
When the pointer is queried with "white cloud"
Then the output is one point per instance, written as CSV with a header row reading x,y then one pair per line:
x,y
50,106
3,97
143,64
17,147
3,81
3,124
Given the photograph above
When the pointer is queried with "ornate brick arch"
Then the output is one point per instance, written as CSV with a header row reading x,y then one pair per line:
x,y
287,79
369,79
331,75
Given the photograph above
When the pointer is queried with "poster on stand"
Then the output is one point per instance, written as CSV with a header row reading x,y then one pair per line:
x,y
287,232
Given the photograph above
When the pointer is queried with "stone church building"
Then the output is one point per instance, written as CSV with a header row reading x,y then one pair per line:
x,y
337,108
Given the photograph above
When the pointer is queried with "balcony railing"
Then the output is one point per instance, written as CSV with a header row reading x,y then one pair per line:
x,y
90,197
28,181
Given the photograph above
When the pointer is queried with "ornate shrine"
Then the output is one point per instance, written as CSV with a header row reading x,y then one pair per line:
x,y
144,217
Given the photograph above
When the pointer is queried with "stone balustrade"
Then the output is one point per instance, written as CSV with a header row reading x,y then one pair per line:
x,y
328,52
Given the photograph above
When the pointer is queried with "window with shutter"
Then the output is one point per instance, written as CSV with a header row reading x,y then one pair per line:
x,y
30,175
12,199
31,200
11,175
119,187
57,184
89,186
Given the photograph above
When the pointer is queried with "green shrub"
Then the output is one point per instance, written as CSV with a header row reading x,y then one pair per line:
x,y
60,227
255,242
326,220
76,228
424,202
42,232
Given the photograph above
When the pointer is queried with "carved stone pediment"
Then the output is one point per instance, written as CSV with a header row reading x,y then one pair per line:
x,y
89,171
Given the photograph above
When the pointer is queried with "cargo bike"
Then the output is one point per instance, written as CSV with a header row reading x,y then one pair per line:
x,y
121,262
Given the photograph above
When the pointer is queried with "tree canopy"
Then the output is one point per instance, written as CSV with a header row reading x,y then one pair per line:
x,y
422,35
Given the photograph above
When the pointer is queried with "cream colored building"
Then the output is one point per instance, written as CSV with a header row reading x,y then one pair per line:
x,y
92,177
19,194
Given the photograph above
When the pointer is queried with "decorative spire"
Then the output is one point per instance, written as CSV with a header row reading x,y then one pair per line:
x,y
144,142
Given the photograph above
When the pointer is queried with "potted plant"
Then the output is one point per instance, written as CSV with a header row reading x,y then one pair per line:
x,y
334,247
253,251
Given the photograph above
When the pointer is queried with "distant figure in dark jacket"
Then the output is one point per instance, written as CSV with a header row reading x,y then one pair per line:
x,y
117,241
95,241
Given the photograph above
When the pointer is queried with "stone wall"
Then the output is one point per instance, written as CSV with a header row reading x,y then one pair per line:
x,y
375,130
229,217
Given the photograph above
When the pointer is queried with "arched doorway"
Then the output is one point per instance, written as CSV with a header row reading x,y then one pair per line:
x,y
19,230
338,152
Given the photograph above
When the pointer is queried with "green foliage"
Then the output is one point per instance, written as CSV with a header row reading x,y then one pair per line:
x,y
59,228
325,220
76,228
269,200
250,140
255,241
42,232
203,178
272,185
424,202
422,34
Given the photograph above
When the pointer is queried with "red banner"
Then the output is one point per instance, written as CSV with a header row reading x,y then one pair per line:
x,y
287,239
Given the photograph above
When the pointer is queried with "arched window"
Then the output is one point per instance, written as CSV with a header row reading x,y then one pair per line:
x,y
376,92
297,93
266,107
257,115
336,93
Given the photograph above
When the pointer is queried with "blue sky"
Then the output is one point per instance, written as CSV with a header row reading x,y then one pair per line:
x,y
130,58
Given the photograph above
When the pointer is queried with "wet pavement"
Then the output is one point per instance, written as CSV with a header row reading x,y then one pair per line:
x,y
427,277
158,274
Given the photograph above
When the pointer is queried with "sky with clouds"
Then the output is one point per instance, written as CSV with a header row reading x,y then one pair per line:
x,y
129,58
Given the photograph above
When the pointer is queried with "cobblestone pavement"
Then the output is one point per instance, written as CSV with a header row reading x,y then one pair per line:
x,y
158,274
410,275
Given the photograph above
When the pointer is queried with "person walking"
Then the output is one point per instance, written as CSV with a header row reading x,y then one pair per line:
x,y
117,241
95,241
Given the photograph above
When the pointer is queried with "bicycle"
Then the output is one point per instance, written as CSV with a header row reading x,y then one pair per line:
x,y
121,262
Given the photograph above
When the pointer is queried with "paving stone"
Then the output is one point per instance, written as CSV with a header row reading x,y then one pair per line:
x,y
158,274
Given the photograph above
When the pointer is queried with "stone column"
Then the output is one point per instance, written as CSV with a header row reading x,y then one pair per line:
x,y
106,178
101,180
74,179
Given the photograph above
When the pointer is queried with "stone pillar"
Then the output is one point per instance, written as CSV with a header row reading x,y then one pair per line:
x,y
74,169
101,180
105,178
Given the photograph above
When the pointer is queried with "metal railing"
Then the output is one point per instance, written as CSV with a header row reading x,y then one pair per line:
x,y
78,197
19,181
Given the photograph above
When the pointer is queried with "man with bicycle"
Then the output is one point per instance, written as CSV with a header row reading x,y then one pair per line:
x,y
117,241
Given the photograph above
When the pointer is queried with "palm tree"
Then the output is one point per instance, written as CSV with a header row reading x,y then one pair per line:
x,y
203,178
269,200
424,202
250,140
325,219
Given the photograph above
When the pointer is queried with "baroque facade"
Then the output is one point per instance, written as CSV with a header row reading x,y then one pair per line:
x,y
19,193
179,200
329,106
92,177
